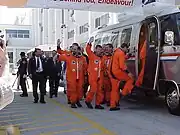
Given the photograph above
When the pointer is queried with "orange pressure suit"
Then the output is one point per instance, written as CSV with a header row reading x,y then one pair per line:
x,y
119,71
111,87
95,71
61,52
106,60
142,57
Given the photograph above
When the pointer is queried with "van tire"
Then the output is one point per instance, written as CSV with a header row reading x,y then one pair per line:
x,y
172,100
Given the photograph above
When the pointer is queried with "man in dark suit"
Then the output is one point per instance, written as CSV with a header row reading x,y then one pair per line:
x,y
37,72
22,73
54,69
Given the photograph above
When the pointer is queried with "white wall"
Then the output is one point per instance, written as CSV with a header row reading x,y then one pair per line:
x,y
17,45
52,21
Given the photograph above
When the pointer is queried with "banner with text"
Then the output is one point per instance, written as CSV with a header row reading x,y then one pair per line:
x,y
87,5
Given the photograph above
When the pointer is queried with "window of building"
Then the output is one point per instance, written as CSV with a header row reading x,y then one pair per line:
x,y
10,55
17,33
71,34
126,36
103,20
83,28
97,22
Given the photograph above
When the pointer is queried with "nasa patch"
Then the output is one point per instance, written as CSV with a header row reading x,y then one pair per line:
x,y
96,61
73,62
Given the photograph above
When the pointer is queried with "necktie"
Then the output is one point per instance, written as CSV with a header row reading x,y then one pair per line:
x,y
38,63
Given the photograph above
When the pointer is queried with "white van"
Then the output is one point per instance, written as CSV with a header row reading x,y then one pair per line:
x,y
162,66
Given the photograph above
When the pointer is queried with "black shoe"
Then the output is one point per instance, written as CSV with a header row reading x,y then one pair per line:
x,y
69,102
56,95
35,102
73,106
50,96
78,104
99,107
64,91
23,95
89,105
114,109
42,102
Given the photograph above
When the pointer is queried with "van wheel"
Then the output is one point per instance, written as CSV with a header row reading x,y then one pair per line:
x,y
172,101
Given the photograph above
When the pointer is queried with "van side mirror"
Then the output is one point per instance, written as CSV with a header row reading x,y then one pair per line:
x,y
169,37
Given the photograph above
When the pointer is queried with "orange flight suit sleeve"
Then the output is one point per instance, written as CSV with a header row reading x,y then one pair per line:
x,y
143,51
142,58
60,51
88,50
63,57
122,64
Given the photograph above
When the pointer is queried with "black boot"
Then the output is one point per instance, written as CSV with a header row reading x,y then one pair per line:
x,y
73,106
99,107
78,104
35,101
114,109
89,105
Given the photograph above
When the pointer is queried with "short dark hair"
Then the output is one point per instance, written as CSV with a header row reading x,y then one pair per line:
x,y
110,45
98,46
75,44
124,45
22,54
36,49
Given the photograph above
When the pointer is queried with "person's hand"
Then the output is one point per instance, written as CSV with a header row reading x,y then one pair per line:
x,y
30,76
58,74
24,76
91,40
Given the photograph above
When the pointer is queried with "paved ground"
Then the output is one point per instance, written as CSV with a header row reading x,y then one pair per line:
x,y
57,118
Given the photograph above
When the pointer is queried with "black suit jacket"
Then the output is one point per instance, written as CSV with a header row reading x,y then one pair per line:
x,y
32,66
22,69
53,69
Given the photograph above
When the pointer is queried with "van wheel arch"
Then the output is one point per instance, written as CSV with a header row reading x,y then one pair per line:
x,y
172,99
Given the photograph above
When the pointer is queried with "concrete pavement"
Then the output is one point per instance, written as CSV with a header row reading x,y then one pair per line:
x,y
145,117
57,118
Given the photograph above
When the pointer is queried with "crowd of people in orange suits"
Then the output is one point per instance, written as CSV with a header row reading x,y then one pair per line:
x,y
105,70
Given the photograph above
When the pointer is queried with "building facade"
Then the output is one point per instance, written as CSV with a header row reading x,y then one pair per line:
x,y
68,25
19,38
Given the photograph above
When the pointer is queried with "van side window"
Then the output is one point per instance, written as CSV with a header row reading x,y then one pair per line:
x,y
126,36
105,40
97,41
152,33
114,40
